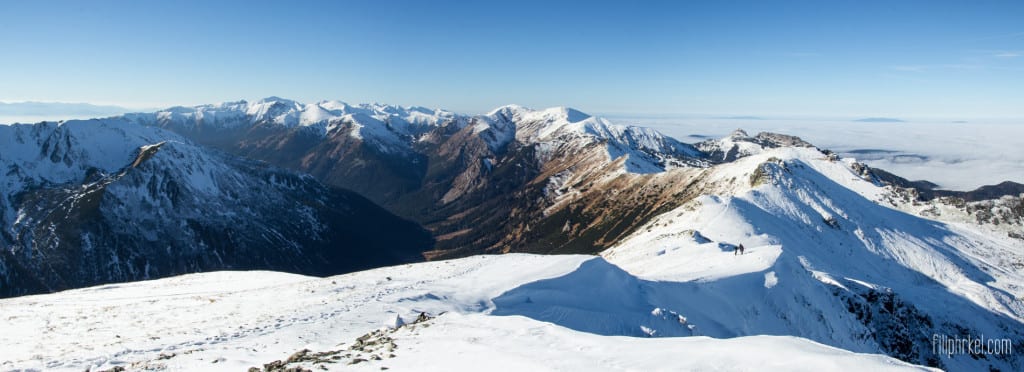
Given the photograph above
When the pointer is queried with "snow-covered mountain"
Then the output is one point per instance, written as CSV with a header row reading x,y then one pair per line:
x,y
99,201
388,128
476,182
645,150
836,256
395,129
547,181
740,144
829,258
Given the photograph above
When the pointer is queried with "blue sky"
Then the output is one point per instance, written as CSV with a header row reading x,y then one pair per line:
x,y
935,59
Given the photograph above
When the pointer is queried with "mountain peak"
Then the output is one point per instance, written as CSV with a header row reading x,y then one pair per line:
x,y
739,133
574,115
569,114
273,99
510,109
335,105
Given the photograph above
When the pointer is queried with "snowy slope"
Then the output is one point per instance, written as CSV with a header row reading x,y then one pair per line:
x,y
827,261
236,320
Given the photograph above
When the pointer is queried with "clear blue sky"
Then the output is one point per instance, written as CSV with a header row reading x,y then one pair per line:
x,y
956,59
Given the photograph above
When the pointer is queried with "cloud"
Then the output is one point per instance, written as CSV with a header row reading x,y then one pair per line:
x,y
31,112
1007,54
880,120
742,117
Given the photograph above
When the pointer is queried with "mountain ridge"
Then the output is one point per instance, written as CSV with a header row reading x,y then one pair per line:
x,y
89,202
469,179
835,254
488,183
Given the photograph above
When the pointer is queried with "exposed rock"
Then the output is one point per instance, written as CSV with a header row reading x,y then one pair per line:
x,y
370,347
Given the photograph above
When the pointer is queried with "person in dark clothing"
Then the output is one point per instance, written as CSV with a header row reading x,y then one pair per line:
x,y
741,248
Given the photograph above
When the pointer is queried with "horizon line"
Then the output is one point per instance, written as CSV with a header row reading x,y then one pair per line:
x,y
614,114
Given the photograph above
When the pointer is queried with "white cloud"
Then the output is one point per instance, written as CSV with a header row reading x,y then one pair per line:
x,y
33,112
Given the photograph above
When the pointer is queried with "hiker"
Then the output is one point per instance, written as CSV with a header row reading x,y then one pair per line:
x,y
741,248
735,250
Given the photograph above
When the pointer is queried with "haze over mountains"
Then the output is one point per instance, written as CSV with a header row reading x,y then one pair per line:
x,y
32,112
839,253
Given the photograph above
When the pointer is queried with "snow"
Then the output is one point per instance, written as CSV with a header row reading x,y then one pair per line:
x,y
566,129
520,344
814,231
738,140
55,154
770,280
385,125
395,129
956,274
679,257
313,114
236,320
157,199
497,128
955,155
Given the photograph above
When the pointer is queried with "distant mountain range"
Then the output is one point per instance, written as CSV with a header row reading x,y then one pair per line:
x,y
488,183
513,180
840,253
504,181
